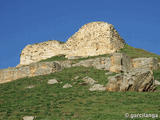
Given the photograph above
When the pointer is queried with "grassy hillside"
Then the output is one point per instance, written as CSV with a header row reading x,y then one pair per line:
x,y
52,102
136,52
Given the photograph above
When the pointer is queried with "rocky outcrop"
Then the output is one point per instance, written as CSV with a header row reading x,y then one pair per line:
x,y
92,39
34,69
140,80
146,63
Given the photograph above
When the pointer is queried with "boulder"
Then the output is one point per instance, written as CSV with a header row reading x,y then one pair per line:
x,y
97,87
28,118
30,86
140,80
89,80
52,81
67,86
157,82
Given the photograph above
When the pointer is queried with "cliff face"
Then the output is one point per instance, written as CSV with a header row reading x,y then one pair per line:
x,y
92,39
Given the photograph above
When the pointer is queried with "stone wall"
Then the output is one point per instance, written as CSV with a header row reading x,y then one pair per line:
x,y
117,62
31,70
95,38
120,63
151,63
40,51
92,39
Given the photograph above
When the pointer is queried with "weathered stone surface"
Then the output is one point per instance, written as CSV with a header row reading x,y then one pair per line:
x,y
120,63
52,81
98,63
108,73
140,80
97,87
89,80
74,57
30,86
31,70
157,82
151,63
92,39
117,62
65,64
67,86
40,51
28,118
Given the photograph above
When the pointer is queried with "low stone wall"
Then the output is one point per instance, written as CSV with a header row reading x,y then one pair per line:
x,y
118,62
151,63
35,69
92,39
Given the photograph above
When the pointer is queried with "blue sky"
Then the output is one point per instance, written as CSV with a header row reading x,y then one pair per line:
x,y
25,22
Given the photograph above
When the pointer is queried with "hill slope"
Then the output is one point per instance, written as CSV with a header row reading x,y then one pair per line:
x,y
52,102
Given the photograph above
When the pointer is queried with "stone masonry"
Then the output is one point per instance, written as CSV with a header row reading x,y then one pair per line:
x,y
92,39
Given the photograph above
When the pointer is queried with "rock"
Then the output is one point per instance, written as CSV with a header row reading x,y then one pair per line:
x,y
109,73
92,39
157,82
40,51
97,87
89,80
98,63
95,38
120,62
28,118
30,86
74,57
85,63
145,63
35,69
52,81
65,63
140,80
77,77
67,85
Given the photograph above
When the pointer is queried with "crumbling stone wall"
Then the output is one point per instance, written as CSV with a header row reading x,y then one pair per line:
x,y
117,62
31,70
92,39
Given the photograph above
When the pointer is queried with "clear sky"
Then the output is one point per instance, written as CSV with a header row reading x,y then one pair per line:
x,y
24,22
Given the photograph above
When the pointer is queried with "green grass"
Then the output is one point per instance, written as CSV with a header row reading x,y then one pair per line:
x,y
52,102
62,57
55,58
136,52
157,75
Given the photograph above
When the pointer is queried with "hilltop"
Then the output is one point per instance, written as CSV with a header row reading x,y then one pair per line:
x,y
94,75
